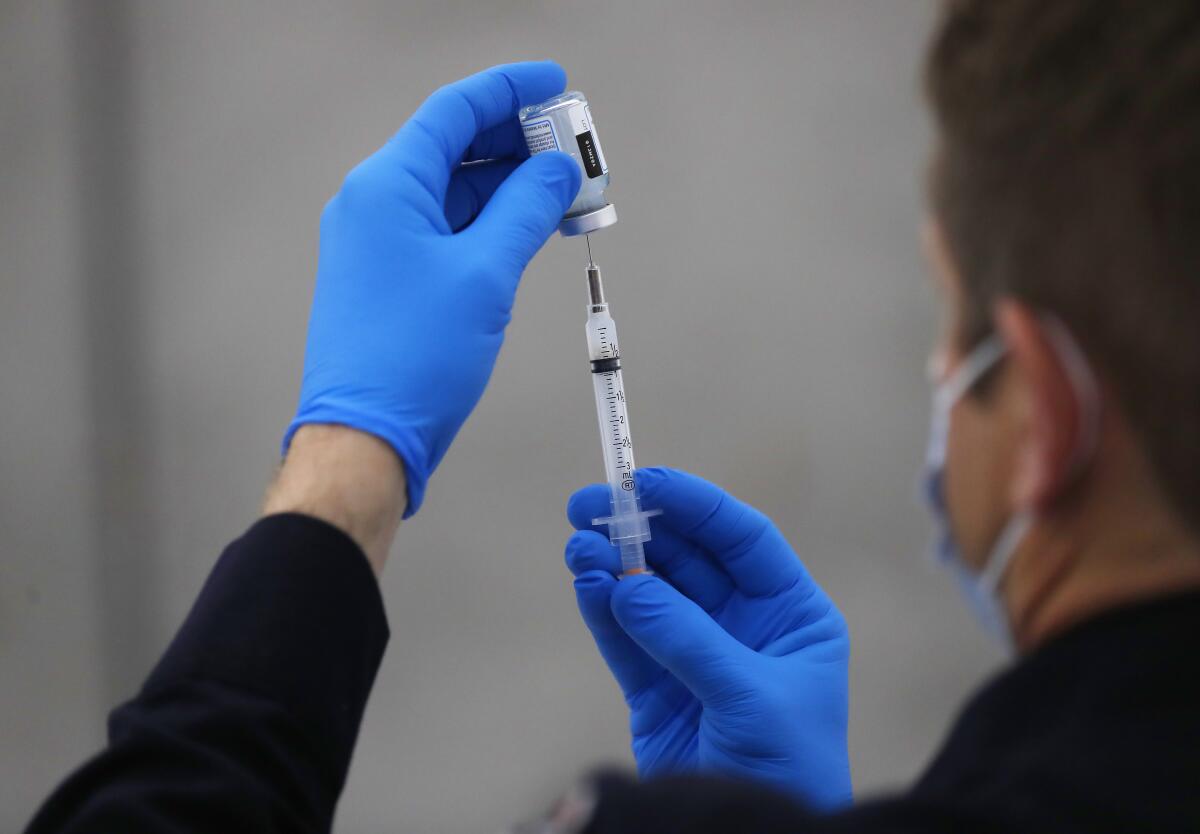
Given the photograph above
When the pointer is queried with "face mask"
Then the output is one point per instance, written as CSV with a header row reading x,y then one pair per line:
x,y
981,590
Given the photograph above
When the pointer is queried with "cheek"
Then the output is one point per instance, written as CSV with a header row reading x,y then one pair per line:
x,y
947,326
951,310
978,474
945,352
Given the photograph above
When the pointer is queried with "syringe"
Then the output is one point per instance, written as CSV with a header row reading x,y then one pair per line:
x,y
628,526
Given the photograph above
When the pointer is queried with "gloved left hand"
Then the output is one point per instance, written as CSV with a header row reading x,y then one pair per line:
x,y
421,252
732,659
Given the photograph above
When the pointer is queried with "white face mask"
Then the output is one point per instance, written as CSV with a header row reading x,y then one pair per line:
x,y
982,589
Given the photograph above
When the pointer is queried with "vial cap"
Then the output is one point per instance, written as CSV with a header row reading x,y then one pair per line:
x,y
588,222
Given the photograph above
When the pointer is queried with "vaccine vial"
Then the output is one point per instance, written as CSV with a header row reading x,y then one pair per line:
x,y
564,123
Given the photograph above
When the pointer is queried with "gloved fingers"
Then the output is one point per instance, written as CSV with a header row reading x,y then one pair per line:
x,y
439,134
743,541
591,501
683,638
588,550
632,668
526,208
470,188
687,567
678,560
504,141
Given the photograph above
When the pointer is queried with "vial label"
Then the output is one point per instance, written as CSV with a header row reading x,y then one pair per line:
x,y
539,136
589,144
596,136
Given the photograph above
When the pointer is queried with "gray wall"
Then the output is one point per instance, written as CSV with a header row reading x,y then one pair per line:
x,y
162,169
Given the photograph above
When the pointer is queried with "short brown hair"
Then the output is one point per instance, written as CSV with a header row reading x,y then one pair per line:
x,y
1068,176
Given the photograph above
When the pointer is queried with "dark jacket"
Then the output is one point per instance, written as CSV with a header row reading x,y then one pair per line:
x,y
249,721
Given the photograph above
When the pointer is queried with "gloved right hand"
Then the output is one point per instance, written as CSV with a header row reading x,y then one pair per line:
x,y
731,659
421,252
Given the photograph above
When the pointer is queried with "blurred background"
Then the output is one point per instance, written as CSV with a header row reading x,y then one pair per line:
x,y
162,169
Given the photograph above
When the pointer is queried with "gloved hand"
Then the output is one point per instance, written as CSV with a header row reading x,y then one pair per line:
x,y
731,659
421,252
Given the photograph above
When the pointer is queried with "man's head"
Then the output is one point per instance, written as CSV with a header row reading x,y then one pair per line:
x,y
1065,189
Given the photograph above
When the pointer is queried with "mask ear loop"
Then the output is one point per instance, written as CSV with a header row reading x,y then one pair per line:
x,y
978,362
1087,391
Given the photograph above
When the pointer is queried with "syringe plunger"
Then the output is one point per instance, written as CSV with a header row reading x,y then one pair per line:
x,y
628,529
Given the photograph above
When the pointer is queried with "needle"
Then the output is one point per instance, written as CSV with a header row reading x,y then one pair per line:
x,y
588,238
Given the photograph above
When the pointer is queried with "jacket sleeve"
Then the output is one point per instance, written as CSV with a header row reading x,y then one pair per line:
x,y
615,803
249,720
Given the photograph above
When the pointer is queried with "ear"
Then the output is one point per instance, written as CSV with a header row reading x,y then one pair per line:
x,y
1053,430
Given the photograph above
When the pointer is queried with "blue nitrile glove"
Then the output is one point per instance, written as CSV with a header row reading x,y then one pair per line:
x,y
732,660
421,252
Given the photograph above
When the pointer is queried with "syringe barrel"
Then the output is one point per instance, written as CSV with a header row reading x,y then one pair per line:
x,y
601,330
628,525
611,411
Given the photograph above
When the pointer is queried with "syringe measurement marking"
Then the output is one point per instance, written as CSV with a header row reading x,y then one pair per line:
x,y
604,348
620,440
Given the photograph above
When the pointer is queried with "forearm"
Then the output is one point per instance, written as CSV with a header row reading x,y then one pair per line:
x,y
348,478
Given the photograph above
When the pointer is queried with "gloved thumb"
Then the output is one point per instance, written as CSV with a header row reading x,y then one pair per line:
x,y
527,207
683,638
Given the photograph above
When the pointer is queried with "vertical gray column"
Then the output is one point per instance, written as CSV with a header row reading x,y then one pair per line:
x,y
103,51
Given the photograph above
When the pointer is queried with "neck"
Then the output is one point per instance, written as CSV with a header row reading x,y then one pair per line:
x,y
1065,573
